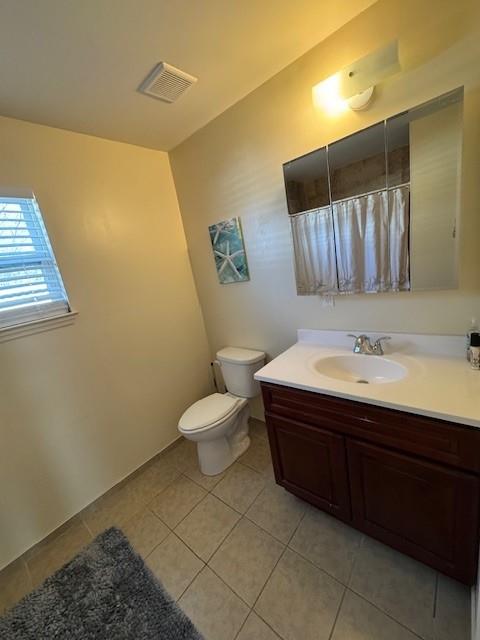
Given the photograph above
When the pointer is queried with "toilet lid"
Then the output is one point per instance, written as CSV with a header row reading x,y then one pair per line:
x,y
207,411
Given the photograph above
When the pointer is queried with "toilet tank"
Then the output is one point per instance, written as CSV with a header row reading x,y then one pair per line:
x,y
238,367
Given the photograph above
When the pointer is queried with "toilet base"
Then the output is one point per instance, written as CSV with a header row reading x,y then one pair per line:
x,y
214,456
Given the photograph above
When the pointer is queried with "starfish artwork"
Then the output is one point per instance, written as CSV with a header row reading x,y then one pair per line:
x,y
229,251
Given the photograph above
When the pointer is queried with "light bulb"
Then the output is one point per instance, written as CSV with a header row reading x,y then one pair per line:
x,y
326,96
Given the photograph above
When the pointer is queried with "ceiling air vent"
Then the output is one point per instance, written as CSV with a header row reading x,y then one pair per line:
x,y
166,83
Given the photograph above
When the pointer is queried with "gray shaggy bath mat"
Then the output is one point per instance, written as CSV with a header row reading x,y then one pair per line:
x,y
105,593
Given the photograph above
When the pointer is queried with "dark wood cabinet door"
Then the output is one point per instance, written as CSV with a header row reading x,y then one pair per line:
x,y
311,463
420,508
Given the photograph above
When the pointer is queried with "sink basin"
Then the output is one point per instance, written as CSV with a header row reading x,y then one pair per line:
x,y
360,369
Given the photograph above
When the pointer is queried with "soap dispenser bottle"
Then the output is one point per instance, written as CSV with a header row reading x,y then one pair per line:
x,y
475,350
473,329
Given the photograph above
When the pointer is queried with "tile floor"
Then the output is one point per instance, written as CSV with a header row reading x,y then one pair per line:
x,y
247,560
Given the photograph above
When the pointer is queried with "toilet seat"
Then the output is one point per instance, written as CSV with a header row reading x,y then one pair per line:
x,y
207,412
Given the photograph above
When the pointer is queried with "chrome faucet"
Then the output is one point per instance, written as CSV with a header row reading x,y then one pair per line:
x,y
364,346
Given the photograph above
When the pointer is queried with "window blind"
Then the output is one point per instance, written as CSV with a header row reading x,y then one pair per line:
x,y
31,287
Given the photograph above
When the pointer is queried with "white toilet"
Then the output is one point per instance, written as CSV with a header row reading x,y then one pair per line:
x,y
219,422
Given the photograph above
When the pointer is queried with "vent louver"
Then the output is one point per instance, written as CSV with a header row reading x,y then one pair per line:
x,y
166,83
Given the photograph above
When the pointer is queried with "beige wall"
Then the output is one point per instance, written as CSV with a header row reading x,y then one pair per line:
x,y
233,167
84,405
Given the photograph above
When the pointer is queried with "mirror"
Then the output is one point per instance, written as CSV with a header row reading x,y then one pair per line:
x,y
357,163
434,133
306,182
378,210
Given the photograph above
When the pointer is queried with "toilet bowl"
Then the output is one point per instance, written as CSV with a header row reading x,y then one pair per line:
x,y
219,422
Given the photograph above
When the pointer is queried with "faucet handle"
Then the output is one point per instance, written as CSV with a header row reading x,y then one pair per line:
x,y
378,344
362,343
361,338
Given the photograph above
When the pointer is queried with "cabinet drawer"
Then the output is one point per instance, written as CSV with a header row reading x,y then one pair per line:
x,y
423,509
438,440
311,463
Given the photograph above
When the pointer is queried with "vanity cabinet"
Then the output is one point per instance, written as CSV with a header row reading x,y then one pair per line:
x,y
312,463
412,482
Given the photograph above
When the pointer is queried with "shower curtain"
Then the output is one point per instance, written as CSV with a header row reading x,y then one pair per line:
x,y
314,250
358,245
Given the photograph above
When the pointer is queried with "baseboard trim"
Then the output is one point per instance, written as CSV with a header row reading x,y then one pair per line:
x,y
35,548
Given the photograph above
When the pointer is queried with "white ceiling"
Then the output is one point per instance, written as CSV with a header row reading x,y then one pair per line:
x,y
76,64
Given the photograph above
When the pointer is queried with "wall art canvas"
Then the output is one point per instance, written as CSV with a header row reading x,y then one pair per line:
x,y
229,251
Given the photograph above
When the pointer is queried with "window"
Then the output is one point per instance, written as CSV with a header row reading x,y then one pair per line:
x,y
31,287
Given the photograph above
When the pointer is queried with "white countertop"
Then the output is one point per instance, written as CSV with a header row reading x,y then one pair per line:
x,y
439,383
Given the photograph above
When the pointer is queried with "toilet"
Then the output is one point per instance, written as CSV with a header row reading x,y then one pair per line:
x,y
219,422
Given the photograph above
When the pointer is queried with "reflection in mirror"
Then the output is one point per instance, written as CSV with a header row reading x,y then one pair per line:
x,y
377,211
435,135
357,163
398,150
306,182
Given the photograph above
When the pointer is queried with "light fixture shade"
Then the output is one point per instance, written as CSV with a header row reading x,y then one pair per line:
x,y
362,100
368,71
353,86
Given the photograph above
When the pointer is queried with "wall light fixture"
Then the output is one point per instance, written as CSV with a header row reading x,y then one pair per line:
x,y
353,87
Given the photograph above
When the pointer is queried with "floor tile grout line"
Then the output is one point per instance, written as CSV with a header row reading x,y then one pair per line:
x,y
330,636
49,539
28,557
161,541
241,513
200,502
245,515
296,528
177,600
388,615
55,541
123,483
341,584
227,585
264,622
194,506
242,625
86,527
220,544
47,548
314,564
186,516
285,547
200,485
208,492
276,564
189,548
150,500
251,607
265,585
29,573
145,505
260,473
167,486
352,569
204,564
434,612
207,566
253,500
141,506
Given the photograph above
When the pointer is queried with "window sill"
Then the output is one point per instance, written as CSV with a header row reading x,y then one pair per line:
x,y
37,326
